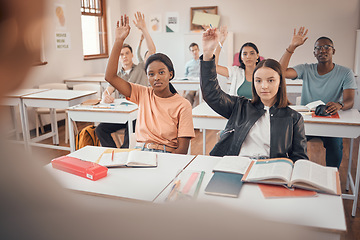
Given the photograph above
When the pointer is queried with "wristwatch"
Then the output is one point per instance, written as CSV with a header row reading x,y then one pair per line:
x,y
341,104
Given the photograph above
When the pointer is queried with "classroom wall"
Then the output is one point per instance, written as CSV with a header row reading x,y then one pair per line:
x,y
270,24
69,63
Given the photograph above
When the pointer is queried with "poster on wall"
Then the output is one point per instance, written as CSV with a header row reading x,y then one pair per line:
x,y
155,23
60,18
63,41
172,22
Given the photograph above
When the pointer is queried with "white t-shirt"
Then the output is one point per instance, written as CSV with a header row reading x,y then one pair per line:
x,y
236,77
257,142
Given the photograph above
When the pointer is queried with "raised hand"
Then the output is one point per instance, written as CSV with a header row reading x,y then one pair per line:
x,y
140,21
122,28
223,34
210,40
299,38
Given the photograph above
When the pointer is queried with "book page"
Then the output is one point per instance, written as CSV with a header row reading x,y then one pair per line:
x,y
142,159
233,164
271,169
314,104
120,159
299,108
321,177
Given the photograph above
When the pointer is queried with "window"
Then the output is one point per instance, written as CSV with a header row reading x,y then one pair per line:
x,y
93,25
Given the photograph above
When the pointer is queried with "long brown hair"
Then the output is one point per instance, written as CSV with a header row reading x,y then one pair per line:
x,y
281,96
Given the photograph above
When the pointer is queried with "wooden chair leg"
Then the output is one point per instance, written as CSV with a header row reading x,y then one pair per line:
x,y
41,125
37,124
66,129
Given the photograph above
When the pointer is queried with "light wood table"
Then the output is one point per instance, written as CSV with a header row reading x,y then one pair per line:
x,y
52,99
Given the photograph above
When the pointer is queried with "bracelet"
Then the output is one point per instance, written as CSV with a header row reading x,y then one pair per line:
x,y
289,51
341,104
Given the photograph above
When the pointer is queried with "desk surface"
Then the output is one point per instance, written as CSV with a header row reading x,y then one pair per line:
x,y
323,211
348,117
127,183
23,92
92,78
59,95
119,106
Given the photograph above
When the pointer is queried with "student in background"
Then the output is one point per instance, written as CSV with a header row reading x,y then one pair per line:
x,y
132,73
264,127
240,77
35,206
164,120
333,84
192,69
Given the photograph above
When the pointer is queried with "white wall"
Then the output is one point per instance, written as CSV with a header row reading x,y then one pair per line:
x,y
69,63
267,23
270,23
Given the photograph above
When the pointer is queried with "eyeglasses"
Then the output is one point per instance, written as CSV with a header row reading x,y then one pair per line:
x,y
325,47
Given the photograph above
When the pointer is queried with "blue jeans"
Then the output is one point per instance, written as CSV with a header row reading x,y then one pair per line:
x,y
334,150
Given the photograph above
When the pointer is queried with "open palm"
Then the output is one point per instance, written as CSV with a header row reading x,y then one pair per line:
x,y
122,28
210,40
299,38
140,20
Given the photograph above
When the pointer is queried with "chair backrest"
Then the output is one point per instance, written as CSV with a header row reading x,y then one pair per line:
x,y
88,86
53,86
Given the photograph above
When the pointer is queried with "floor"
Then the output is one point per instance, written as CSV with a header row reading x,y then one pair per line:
x,y
315,150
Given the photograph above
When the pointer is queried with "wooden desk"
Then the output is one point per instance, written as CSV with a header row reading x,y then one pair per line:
x,y
95,79
294,86
119,113
15,100
192,84
52,99
347,126
135,184
324,213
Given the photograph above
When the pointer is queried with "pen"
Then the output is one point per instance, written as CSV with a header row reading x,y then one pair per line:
x,y
173,190
112,156
218,41
108,91
199,184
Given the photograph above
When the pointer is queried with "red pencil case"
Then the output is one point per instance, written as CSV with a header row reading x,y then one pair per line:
x,y
90,170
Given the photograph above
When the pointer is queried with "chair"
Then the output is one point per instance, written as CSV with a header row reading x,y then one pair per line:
x,y
42,111
86,87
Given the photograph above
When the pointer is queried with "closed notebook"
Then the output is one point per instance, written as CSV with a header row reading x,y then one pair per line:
x,y
225,184
127,158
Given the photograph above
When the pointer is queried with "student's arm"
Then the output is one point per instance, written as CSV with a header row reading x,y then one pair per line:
x,y
106,96
299,145
213,95
298,39
138,49
121,32
184,143
140,24
223,71
348,101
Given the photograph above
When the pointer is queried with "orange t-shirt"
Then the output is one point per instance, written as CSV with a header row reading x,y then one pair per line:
x,y
161,120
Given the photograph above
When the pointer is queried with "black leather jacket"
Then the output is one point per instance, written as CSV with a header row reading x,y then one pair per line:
x,y
287,138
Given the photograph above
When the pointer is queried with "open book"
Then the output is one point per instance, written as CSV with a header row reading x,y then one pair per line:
x,y
308,107
135,158
226,180
303,174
